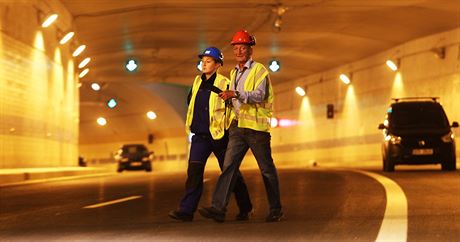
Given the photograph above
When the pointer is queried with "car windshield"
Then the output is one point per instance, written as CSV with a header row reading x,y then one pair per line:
x,y
418,115
134,149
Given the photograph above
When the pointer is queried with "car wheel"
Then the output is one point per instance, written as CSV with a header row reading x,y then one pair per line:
x,y
449,164
148,168
120,169
388,165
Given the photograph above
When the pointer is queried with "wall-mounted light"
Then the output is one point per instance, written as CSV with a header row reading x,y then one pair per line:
x,y
66,38
151,115
49,20
78,51
330,111
392,65
101,121
301,91
345,79
95,86
274,65
439,52
83,73
84,62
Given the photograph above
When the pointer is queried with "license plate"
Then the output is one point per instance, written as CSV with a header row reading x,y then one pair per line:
x,y
422,151
136,163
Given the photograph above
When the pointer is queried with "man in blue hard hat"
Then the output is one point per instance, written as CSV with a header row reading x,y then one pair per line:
x,y
207,119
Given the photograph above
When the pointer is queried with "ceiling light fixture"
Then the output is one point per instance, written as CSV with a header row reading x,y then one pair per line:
x,y
131,65
279,10
66,38
112,103
78,51
274,66
151,115
49,20
199,66
83,73
84,62
95,86
101,121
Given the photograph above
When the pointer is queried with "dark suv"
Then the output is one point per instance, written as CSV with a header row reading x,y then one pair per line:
x,y
417,131
134,157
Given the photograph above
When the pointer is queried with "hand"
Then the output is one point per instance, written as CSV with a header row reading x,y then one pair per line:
x,y
228,94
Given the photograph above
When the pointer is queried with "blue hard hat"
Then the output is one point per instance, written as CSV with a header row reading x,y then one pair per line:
x,y
214,53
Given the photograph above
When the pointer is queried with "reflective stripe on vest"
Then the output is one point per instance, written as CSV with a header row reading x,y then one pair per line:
x,y
217,119
256,116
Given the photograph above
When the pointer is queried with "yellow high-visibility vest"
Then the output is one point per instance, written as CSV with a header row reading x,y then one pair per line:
x,y
217,115
256,116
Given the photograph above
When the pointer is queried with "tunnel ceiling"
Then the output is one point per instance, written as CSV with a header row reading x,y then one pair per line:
x,y
165,37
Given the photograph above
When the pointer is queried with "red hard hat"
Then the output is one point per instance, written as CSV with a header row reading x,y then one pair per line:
x,y
243,37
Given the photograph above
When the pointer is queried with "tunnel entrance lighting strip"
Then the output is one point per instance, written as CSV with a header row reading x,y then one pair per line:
x,y
112,202
394,224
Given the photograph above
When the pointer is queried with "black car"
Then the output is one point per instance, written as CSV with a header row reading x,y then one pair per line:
x,y
134,157
417,131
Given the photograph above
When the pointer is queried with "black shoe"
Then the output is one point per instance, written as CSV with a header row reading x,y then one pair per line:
x,y
212,213
243,216
178,215
274,216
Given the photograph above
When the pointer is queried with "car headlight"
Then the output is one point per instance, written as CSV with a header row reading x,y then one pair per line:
x,y
393,139
124,159
448,138
145,158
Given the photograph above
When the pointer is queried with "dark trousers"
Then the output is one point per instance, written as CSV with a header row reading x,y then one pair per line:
x,y
200,150
242,139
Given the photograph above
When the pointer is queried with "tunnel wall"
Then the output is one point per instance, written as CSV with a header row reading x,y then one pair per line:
x,y
351,137
38,88
309,137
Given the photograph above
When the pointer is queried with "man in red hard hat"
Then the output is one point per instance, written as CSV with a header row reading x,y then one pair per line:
x,y
251,94
208,121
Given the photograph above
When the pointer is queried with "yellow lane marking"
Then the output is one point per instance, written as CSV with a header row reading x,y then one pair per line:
x,y
112,202
394,224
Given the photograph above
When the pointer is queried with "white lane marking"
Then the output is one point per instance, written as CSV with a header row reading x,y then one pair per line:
x,y
394,224
35,181
112,202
